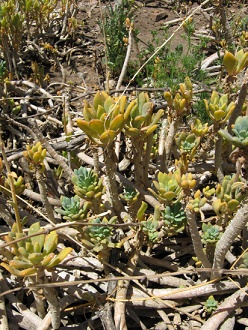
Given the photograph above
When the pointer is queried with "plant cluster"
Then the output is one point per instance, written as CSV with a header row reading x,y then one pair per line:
x,y
111,216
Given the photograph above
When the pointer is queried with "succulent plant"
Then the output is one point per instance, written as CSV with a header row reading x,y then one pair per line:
x,y
129,195
98,237
235,63
198,128
35,156
218,108
229,195
105,118
187,182
178,105
168,186
211,233
188,143
150,228
29,255
174,218
197,202
211,304
18,183
141,121
87,185
208,192
72,209
240,131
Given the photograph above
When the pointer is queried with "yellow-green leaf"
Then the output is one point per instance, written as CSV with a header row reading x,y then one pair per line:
x,y
230,62
51,242
117,123
60,257
108,137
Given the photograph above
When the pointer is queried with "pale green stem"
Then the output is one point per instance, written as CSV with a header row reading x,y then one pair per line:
x,y
234,228
218,153
147,158
52,300
169,141
196,239
161,146
138,149
120,305
110,163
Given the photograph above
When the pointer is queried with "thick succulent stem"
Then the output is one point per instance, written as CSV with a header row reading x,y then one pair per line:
x,y
226,25
196,239
120,305
234,228
161,146
110,163
138,146
169,139
52,300
218,153
147,158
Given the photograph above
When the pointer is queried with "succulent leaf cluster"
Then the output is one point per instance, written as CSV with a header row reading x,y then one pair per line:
x,y
87,185
218,108
197,202
18,181
211,304
180,103
234,64
141,121
35,156
188,143
187,181
174,218
30,254
150,228
129,195
168,186
211,233
229,195
98,235
105,118
240,131
72,209
198,128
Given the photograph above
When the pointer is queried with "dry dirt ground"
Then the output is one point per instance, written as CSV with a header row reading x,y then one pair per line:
x,y
87,68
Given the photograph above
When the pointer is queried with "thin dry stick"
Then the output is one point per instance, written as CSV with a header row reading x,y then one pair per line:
x,y
34,319
43,194
105,46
